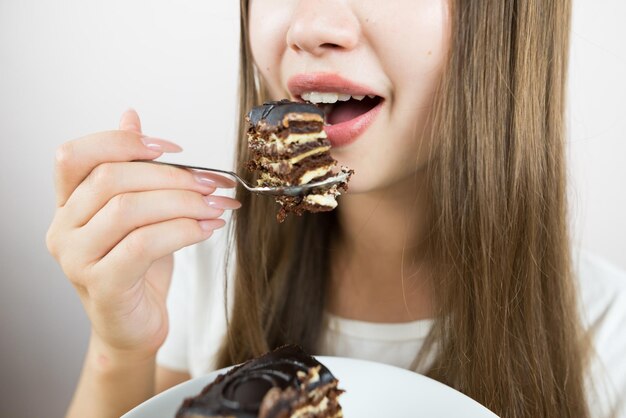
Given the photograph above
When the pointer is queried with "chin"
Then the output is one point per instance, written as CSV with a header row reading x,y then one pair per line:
x,y
365,178
364,181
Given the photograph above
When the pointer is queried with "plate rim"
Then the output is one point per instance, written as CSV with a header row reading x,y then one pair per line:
x,y
210,376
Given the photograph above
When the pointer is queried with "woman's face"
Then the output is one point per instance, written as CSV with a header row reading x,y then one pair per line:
x,y
392,50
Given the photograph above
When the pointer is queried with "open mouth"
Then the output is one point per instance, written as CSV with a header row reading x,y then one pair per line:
x,y
349,107
339,108
347,116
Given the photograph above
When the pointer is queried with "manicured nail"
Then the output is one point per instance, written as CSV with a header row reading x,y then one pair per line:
x,y
205,180
211,224
129,110
161,145
214,180
221,202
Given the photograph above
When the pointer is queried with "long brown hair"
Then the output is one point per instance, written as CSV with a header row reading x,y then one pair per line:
x,y
506,330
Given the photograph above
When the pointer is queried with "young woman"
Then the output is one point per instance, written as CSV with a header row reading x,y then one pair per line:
x,y
448,256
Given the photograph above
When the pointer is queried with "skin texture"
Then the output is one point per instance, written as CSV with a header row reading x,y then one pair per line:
x,y
380,214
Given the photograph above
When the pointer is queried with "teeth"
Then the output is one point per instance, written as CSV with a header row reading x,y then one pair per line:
x,y
319,97
315,97
328,97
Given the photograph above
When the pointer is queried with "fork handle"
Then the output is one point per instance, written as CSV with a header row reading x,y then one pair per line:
x,y
192,167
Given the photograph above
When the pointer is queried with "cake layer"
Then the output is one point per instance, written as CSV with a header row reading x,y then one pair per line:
x,y
276,116
328,199
316,174
318,200
282,150
289,135
281,164
288,174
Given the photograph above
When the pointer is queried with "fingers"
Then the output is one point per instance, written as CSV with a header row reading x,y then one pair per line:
x,y
76,159
137,251
129,211
111,179
130,121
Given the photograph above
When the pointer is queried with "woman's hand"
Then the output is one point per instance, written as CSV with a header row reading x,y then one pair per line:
x,y
117,224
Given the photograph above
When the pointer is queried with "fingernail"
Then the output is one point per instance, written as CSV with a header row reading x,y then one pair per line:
x,y
214,180
130,109
221,202
161,145
205,181
129,126
211,224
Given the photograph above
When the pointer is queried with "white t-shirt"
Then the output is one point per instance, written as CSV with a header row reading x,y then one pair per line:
x,y
196,306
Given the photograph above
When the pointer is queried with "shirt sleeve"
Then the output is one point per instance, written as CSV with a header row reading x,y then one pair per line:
x,y
604,311
173,354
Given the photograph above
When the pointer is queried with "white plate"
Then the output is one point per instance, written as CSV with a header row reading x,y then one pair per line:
x,y
372,390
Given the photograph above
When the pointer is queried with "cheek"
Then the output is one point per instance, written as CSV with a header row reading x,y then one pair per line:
x,y
420,43
417,68
268,24
412,48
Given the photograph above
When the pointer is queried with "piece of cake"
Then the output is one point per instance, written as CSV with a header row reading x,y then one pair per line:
x,y
284,383
288,146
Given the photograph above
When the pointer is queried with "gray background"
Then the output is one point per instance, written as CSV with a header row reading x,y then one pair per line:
x,y
71,68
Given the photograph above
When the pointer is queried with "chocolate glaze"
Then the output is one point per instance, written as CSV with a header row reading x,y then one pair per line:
x,y
272,114
240,392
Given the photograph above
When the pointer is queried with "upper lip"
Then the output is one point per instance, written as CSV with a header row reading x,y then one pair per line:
x,y
326,83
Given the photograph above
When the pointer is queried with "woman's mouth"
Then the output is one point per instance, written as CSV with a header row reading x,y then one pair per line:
x,y
346,116
349,109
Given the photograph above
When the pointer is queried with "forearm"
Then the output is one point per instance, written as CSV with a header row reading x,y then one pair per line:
x,y
112,382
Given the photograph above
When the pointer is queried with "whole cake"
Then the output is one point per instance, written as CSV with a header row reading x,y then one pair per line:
x,y
284,383
288,146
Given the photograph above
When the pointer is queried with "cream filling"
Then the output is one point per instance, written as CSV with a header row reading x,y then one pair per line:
x,y
313,374
294,160
305,178
274,166
315,173
326,200
311,409
298,138
266,177
301,117
314,151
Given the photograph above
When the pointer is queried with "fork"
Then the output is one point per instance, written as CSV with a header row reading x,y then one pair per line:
x,y
298,190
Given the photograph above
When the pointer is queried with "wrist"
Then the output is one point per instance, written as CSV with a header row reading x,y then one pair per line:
x,y
107,358
113,381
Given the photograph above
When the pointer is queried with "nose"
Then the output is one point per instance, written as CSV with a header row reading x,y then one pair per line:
x,y
318,26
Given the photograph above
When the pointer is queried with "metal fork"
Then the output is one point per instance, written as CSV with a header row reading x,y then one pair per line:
x,y
271,191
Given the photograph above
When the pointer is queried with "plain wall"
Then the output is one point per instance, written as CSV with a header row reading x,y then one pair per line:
x,y
71,68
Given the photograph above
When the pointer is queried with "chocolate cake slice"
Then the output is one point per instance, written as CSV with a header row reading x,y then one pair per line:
x,y
288,146
284,383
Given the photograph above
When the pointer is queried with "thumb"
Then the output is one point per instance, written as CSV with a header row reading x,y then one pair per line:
x,y
130,121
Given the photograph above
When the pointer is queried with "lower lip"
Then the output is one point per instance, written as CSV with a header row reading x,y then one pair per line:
x,y
347,132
